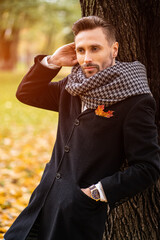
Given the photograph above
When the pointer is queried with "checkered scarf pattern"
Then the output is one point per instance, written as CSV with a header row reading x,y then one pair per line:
x,y
109,86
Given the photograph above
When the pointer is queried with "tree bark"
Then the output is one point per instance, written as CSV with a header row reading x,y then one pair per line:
x,y
138,34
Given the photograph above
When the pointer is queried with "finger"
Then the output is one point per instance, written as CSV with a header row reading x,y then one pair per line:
x,y
72,45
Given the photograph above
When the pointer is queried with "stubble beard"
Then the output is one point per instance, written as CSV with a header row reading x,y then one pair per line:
x,y
110,64
90,72
96,66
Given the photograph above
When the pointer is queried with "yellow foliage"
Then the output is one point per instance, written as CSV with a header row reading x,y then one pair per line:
x,y
22,162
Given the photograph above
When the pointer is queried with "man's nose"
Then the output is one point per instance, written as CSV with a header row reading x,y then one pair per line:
x,y
87,58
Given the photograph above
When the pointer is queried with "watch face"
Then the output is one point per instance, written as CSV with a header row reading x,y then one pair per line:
x,y
95,194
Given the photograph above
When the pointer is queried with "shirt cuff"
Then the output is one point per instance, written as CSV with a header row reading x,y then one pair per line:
x,y
45,63
83,107
101,192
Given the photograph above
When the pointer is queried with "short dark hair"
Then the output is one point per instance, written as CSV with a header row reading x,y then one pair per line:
x,y
92,22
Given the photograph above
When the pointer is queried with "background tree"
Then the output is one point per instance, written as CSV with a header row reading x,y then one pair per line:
x,y
13,15
138,34
40,21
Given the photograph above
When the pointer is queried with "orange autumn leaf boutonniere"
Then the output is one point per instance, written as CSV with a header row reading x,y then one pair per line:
x,y
99,111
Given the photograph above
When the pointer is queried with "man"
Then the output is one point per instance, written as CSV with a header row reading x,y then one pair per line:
x,y
106,115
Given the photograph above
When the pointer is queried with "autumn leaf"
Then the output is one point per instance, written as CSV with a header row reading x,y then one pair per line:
x,y
100,112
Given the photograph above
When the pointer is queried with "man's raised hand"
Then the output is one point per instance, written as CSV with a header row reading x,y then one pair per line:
x,y
64,56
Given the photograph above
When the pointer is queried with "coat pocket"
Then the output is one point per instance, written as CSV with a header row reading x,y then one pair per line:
x,y
81,196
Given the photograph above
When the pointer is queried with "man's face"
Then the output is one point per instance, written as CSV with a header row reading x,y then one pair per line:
x,y
94,53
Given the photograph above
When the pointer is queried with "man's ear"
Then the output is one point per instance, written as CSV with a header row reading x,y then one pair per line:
x,y
115,49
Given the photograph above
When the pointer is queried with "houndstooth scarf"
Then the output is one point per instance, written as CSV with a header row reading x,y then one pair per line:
x,y
109,86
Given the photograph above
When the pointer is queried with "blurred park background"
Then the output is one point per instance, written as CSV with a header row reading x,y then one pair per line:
x,y
27,134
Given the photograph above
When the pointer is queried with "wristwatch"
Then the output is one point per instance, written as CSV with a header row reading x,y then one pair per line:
x,y
94,193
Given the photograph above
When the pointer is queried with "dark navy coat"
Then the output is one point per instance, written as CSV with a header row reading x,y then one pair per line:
x,y
89,148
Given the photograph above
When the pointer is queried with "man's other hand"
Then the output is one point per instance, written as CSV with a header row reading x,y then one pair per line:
x,y
64,56
87,191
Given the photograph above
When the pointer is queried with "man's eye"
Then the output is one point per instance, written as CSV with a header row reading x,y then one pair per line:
x,y
94,49
80,50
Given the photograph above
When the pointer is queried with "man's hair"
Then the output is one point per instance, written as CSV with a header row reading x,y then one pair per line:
x,y
92,22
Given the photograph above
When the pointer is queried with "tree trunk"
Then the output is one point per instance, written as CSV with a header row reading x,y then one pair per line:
x,y
9,39
138,34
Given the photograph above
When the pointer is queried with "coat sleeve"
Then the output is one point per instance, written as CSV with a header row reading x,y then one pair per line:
x,y
142,153
36,88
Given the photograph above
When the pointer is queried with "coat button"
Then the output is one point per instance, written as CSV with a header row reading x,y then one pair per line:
x,y
66,148
77,122
58,176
